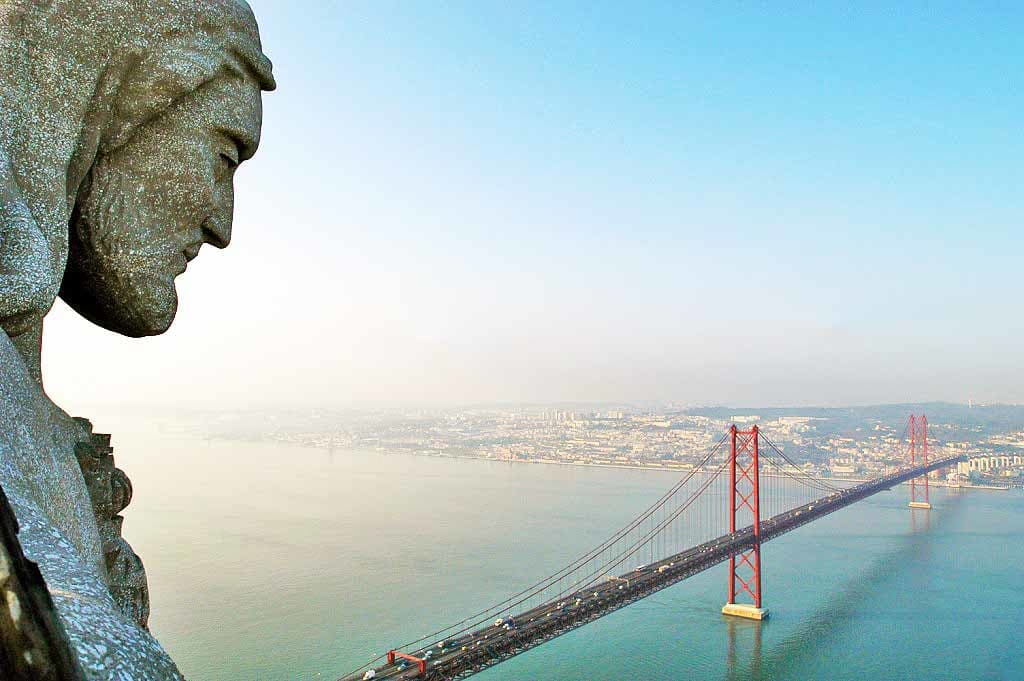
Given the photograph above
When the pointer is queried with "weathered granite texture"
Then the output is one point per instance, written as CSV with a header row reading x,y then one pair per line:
x,y
58,529
33,643
110,491
121,126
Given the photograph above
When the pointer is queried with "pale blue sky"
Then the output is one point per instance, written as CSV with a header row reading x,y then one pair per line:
x,y
752,204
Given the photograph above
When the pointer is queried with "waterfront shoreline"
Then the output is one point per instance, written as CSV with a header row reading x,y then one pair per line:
x,y
621,466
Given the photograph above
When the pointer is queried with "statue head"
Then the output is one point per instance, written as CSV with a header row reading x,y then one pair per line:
x,y
184,115
121,125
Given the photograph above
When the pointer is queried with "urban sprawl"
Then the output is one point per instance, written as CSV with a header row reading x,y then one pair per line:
x,y
837,443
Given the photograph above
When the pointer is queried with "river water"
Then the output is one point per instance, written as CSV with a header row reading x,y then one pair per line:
x,y
273,562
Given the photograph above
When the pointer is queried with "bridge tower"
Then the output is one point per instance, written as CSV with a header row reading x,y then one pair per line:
x,y
919,457
744,497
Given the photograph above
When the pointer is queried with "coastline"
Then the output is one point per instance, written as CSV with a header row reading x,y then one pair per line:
x,y
677,469
631,466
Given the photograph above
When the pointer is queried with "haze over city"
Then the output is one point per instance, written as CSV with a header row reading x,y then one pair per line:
x,y
526,204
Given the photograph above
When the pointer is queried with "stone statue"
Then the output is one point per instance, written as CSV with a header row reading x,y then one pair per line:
x,y
121,126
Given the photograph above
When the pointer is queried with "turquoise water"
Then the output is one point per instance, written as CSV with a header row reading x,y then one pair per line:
x,y
269,561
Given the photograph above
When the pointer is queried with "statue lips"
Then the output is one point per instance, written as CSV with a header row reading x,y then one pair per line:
x,y
190,252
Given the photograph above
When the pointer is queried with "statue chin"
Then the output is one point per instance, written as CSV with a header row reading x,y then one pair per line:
x,y
142,311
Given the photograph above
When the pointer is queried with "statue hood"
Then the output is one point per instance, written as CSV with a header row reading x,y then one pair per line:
x,y
77,79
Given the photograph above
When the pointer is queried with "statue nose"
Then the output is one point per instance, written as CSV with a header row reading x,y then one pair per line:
x,y
217,231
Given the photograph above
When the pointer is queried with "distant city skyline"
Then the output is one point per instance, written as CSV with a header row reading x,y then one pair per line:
x,y
711,205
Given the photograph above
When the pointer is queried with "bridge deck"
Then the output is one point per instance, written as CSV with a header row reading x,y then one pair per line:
x,y
475,651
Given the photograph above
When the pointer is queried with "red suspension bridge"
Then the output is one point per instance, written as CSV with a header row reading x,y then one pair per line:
x,y
743,492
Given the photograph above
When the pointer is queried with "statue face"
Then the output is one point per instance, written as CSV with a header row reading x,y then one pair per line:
x,y
149,206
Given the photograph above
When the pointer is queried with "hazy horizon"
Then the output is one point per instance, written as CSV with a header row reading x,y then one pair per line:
x,y
167,407
598,204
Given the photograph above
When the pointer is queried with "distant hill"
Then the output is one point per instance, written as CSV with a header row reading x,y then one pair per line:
x,y
968,421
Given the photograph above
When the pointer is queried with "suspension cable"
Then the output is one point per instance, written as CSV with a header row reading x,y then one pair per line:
x,y
641,542
547,582
803,475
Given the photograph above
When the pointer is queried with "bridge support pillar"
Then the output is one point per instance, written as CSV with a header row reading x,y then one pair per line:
x,y
919,456
744,493
745,611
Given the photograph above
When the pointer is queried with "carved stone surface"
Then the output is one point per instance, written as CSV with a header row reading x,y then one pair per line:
x,y
121,126
33,643
110,490
58,529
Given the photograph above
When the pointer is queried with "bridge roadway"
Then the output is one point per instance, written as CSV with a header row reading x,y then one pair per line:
x,y
473,652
